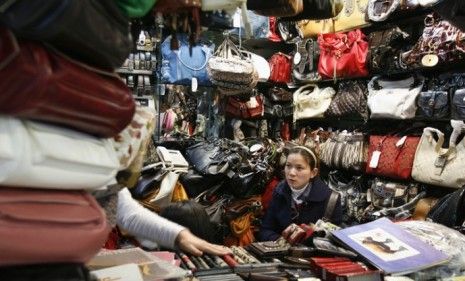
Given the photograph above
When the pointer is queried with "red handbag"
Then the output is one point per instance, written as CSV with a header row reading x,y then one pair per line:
x,y
247,109
280,65
395,154
48,226
47,86
343,54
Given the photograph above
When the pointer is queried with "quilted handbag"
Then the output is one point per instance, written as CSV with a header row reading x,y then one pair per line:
x,y
280,65
350,100
343,54
311,102
394,99
391,156
440,166
49,226
47,86
186,63
95,32
244,109
53,157
350,16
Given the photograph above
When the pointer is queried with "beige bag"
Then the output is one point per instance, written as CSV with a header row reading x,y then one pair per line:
x,y
311,101
351,16
440,166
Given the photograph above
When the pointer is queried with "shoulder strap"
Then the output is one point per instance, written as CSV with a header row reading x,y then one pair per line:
x,y
331,205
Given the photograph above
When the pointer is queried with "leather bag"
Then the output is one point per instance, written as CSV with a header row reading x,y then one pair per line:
x,y
395,156
314,9
47,86
276,8
46,226
350,99
343,54
53,157
433,104
305,61
95,32
280,65
245,109
394,99
450,210
436,165
135,8
458,104
311,102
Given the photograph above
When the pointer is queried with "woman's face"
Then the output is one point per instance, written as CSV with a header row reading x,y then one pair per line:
x,y
298,171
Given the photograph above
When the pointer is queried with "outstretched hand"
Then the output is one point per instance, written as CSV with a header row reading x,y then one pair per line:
x,y
188,242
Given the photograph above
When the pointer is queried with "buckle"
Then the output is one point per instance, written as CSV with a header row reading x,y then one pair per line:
x,y
278,110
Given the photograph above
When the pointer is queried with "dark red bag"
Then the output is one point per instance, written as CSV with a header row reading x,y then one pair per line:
x,y
396,158
245,109
280,65
343,54
47,86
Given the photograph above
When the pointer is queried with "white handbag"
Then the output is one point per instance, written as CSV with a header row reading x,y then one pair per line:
x,y
44,156
311,102
440,166
394,99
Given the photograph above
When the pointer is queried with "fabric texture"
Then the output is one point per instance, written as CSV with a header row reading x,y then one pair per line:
x,y
145,224
280,213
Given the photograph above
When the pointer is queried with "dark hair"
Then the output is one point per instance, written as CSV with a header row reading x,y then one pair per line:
x,y
309,155
192,215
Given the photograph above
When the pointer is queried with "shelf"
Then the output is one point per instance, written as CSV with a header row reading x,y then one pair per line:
x,y
135,71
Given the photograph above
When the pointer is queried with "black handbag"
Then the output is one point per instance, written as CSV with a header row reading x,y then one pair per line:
x,y
450,210
94,32
314,10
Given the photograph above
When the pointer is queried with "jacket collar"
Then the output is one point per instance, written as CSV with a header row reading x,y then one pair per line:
x,y
317,191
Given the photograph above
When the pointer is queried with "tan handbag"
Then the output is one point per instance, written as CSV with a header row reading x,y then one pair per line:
x,y
440,166
351,16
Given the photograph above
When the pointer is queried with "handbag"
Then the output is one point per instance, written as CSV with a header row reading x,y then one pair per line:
x,y
391,156
135,8
394,98
278,94
436,165
449,210
343,54
185,64
310,101
350,16
452,11
245,109
276,8
458,104
305,61
95,32
345,150
49,226
47,86
434,104
280,65
350,99
277,110
53,157
314,9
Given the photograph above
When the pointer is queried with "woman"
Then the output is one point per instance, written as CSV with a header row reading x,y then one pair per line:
x,y
300,199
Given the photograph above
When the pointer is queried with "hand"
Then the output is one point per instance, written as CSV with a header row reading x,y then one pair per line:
x,y
293,234
188,242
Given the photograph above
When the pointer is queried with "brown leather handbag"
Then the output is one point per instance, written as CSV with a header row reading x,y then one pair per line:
x,y
47,226
245,109
47,86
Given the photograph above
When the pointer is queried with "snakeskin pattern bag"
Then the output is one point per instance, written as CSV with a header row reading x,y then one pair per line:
x,y
350,99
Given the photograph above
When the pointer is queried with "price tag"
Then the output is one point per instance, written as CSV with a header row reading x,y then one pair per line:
x,y
429,60
375,159
401,141
237,19
297,58
194,84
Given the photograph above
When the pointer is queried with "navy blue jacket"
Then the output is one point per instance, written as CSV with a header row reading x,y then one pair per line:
x,y
280,213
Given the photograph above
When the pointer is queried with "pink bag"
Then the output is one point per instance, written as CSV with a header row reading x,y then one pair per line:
x,y
46,226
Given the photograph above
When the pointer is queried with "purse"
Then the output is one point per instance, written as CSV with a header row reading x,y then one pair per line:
x,y
276,8
449,210
95,32
305,61
278,94
135,8
277,110
350,99
185,64
314,9
311,102
433,104
49,226
343,54
458,104
440,166
345,150
391,156
394,99
53,157
280,65
245,109
47,86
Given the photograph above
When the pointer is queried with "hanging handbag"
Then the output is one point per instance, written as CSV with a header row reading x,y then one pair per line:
x,y
305,61
452,11
436,165
434,103
135,8
95,32
310,101
49,226
350,99
394,99
450,210
47,86
391,156
244,109
277,110
343,54
280,65
185,64
276,8
457,84
314,9
53,157
345,150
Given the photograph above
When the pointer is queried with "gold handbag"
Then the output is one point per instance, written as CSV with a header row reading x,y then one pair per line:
x,y
351,16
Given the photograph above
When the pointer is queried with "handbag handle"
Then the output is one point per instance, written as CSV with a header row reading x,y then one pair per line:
x,y
207,56
430,131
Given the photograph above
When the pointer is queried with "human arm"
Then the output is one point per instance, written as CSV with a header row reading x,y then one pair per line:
x,y
269,230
